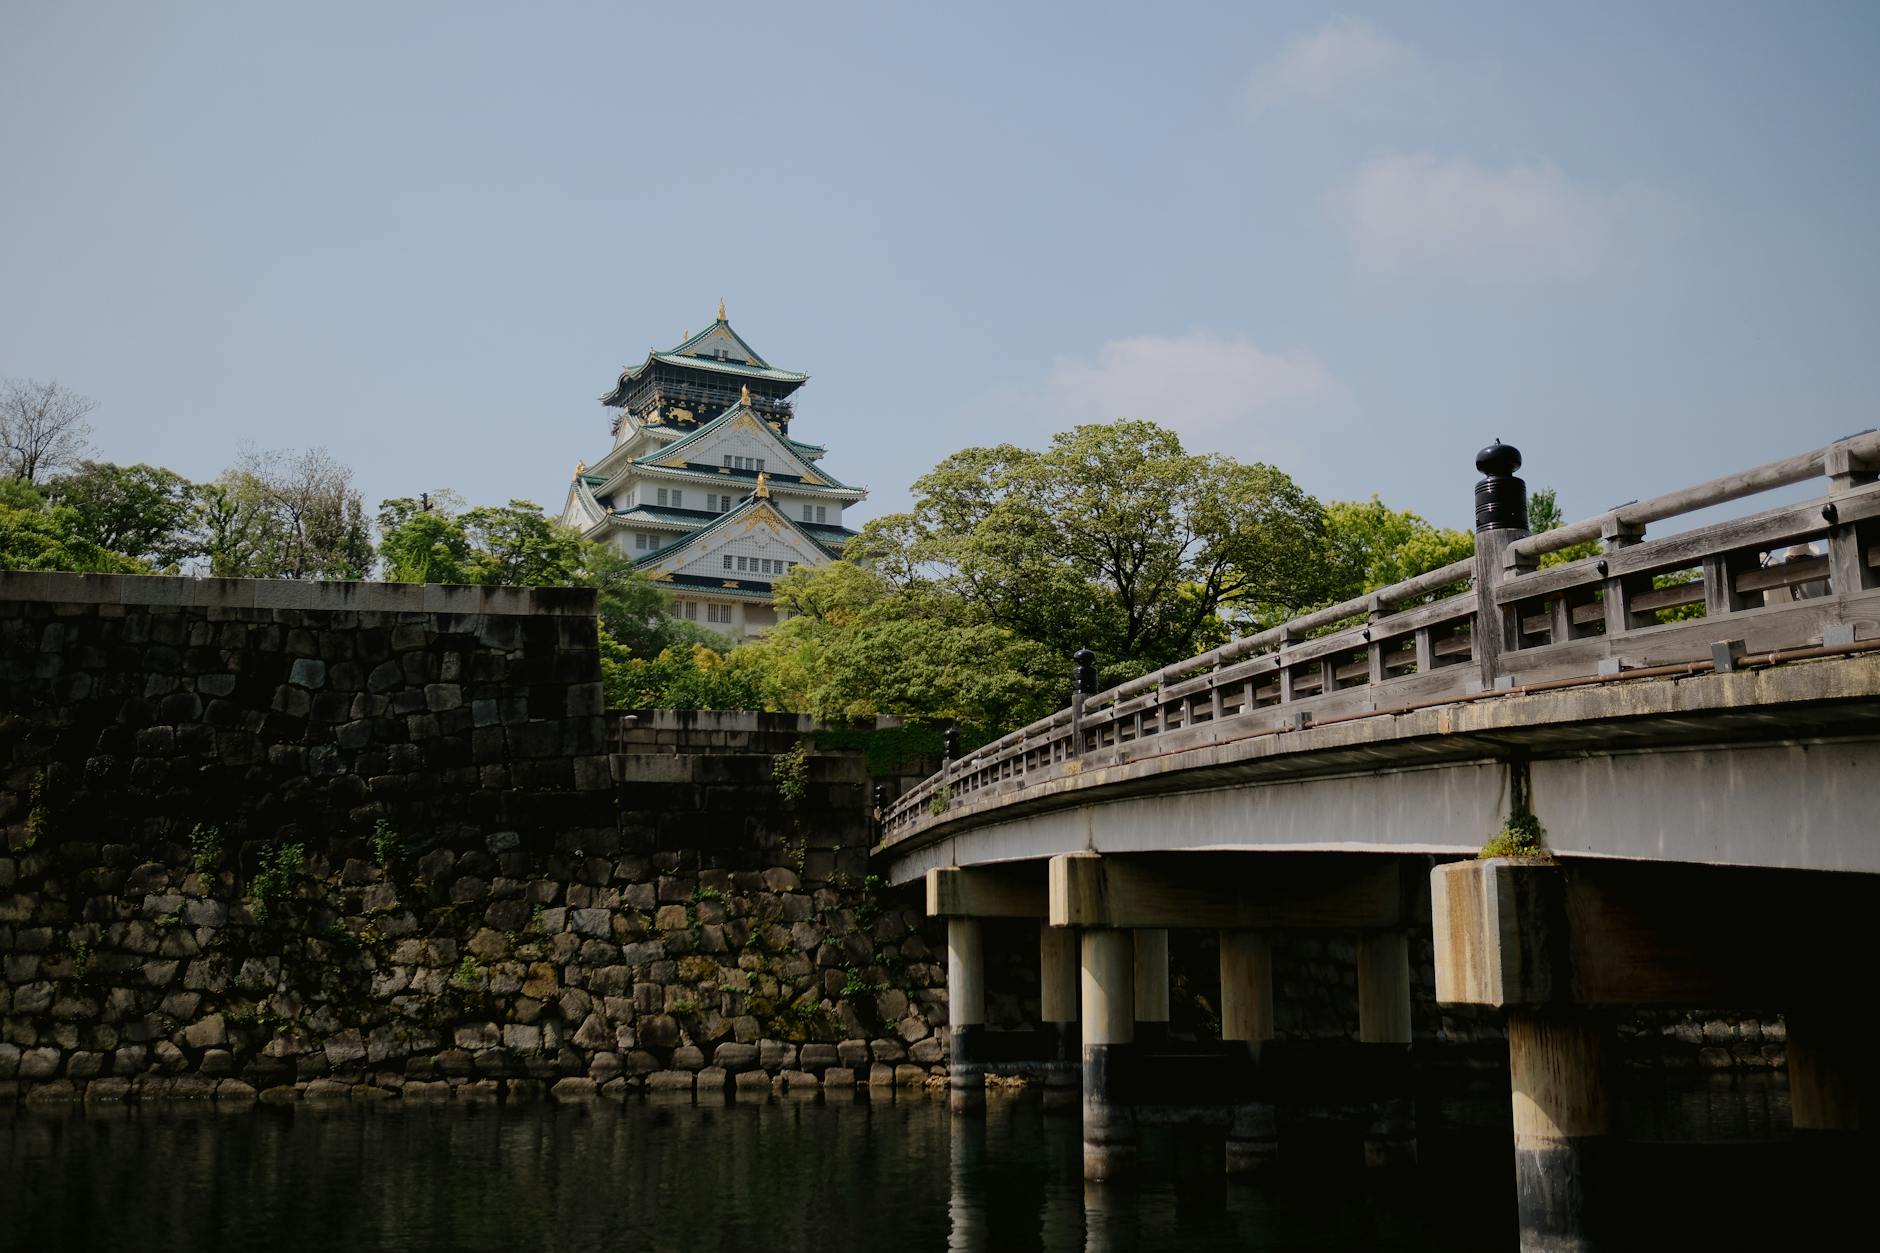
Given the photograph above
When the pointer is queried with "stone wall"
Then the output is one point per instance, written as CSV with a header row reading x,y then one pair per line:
x,y
326,839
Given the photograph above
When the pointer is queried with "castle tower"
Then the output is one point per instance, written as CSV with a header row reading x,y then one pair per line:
x,y
704,488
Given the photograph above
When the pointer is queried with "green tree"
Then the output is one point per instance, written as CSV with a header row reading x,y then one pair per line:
x,y
679,677
1114,537
37,535
1544,515
1370,545
285,515
422,539
142,511
857,645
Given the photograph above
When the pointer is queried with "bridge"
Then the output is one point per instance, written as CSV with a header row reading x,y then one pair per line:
x,y
1675,740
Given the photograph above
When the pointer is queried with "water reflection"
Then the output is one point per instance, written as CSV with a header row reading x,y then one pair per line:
x,y
794,1175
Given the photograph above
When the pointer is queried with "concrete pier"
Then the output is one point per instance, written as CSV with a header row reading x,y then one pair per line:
x,y
1384,1037
966,1015
1561,1120
1151,987
1109,1004
1057,1006
1247,1017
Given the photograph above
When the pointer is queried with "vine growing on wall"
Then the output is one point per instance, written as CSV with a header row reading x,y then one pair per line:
x,y
789,771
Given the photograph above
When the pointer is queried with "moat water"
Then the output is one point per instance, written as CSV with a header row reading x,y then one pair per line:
x,y
790,1175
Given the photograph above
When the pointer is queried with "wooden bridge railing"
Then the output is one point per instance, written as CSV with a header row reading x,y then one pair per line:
x,y
1792,577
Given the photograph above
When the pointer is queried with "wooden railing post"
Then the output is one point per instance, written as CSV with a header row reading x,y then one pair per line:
x,y
1848,570
1500,520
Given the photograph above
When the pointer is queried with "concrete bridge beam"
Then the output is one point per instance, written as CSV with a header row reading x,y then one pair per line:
x,y
1201,890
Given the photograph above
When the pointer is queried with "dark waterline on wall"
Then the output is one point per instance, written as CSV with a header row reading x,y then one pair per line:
x,y
805,1175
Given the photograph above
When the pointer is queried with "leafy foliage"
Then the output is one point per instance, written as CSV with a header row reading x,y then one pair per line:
x,y
142,511
38,535
1370,545
1114,538
273,885
284,515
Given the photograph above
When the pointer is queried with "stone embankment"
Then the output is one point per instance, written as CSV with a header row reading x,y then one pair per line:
x,y
349,839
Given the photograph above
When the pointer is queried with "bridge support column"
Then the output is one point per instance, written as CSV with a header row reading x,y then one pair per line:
x,y
1151,988
1247,1016
966,1015
1826,1069
1561,1118
1057,1005
1109,1004
1384,1037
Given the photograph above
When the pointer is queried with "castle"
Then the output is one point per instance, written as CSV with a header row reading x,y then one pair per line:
x,y
704,487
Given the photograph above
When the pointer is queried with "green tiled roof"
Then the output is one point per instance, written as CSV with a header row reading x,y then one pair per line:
x,y
727,367
652,459
722,520
747,477
750,353
666,517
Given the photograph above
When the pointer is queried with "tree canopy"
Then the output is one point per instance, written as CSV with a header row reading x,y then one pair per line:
x,y
1114,538
142,511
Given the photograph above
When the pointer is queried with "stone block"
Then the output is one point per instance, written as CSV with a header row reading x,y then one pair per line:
x,y
591,922
909,1076
853,1053
736,1057
573,1091
838,1078
210,1032
880,1076
659,1031
670,1081
752,1082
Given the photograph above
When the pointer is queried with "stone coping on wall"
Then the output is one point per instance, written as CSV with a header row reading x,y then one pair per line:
x,y
743,720
192,593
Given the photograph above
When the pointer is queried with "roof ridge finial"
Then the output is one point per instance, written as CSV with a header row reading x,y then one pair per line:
x,y
721,308
744,394
763,486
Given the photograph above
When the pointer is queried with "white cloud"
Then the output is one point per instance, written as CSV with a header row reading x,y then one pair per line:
x,y
1219,393
1519,223
1351,65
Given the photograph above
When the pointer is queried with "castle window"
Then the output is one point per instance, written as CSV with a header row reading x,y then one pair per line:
x,y
642,540
678,499
718,613
662,495
822,513
760,463
691,610
727,460
809,515
744,563
727,561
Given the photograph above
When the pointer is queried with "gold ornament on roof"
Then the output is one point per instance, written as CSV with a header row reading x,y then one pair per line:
x,y
763,486
721,308
744,394
580,467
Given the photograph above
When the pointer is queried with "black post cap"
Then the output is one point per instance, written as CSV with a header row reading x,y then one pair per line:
x,y
1500,497
1498,458
951,739
1084,678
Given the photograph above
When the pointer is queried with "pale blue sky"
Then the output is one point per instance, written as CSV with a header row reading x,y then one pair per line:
x,y
1636,240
